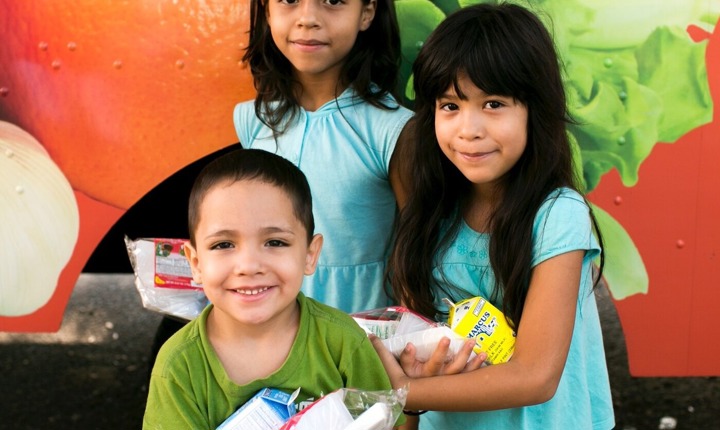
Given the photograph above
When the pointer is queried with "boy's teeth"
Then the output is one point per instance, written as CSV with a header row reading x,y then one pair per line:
x,y
251,292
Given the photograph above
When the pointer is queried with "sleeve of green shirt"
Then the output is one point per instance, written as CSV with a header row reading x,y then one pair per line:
x,y
170,407
365,371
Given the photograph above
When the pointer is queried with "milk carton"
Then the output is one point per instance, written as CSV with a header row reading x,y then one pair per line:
x,y
477,318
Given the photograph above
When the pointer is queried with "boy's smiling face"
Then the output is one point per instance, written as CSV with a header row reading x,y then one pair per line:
x,y
251,252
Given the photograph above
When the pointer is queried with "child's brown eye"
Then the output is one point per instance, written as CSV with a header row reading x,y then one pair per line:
x,y
276,243
222,245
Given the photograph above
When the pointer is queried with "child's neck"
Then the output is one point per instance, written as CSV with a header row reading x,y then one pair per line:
x,y
316,92
234,344
478,209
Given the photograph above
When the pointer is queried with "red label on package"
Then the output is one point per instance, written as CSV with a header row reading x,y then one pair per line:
x,y
172,269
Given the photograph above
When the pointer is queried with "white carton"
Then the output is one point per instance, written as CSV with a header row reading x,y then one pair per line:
x,y
269,409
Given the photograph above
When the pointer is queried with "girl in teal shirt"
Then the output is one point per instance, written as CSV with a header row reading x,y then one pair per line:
x,y
324,72
495,211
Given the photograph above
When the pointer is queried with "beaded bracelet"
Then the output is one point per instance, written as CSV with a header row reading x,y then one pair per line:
x,y
413,413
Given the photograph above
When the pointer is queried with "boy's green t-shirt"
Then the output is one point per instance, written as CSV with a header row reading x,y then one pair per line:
x,y
190,389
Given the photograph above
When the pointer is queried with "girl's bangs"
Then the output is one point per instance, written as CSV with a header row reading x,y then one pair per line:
x,y
477,56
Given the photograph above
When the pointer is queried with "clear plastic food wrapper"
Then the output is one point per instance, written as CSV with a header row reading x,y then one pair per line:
x,y
351,409
163,277
386,322
397,326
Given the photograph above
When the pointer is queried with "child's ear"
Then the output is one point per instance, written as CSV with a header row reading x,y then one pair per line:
x,y
191,256
368,14
313,254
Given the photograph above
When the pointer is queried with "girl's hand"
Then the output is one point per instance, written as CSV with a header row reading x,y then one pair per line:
x,y
397,376
438,364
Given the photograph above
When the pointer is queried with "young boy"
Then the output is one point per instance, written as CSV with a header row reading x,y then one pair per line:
x,y
251,243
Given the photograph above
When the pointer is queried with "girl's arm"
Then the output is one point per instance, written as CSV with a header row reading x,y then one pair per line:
x,y
411,423
541,348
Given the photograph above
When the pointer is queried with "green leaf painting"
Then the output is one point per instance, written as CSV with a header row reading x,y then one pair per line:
x,y
624,271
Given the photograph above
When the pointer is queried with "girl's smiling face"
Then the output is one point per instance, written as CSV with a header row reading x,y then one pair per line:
x,y
251,252
483,135
317,35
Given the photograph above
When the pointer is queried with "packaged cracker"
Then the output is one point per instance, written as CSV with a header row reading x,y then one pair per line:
x,y
397,326
163,277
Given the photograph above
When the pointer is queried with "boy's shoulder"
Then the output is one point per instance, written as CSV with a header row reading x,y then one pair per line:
x,y
185,342
329,317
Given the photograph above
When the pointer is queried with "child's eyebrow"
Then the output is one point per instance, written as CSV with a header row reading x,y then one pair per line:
x,y
448,95
219,233
275,229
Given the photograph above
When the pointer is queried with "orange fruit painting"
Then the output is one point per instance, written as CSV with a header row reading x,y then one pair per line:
x,y
122,94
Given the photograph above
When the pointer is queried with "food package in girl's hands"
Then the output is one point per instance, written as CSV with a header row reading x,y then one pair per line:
x,y
351,409
477,318
163,277
397,326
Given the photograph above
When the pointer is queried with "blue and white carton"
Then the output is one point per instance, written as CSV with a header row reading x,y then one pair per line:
x,y
268,409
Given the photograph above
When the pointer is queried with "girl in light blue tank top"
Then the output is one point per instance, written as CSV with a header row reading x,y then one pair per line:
x,y
495,211
324,73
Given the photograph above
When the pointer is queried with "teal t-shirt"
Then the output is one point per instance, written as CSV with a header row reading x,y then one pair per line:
x,y
583,399
190,389
344,149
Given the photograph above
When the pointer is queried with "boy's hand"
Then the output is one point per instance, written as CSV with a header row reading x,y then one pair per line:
x,y
438,364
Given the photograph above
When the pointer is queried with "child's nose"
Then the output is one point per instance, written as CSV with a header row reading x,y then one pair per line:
x,y
248,261
471,126
308,14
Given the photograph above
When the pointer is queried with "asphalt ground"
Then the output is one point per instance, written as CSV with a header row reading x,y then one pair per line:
x,y
92,373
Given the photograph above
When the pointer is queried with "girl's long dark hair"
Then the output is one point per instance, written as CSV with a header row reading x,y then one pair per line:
x,y
374,59
504,50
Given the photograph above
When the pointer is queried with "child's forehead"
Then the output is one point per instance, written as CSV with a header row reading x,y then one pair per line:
x,y
228,198
250,185
462,86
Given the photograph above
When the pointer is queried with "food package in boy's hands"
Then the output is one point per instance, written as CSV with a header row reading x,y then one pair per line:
x,y
329,412
163,277
397,326
351,409
477,318
268,409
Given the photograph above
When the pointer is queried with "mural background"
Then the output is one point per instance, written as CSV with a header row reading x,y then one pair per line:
x,y
102,101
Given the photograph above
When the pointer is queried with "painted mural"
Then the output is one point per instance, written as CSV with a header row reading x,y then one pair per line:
x,y
101,101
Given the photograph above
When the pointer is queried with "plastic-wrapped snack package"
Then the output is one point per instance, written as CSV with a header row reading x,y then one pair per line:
x,y
351,409
397,326
387,322
163,277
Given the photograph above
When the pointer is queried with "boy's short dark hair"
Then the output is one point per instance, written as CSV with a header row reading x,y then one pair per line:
x,y
253,164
